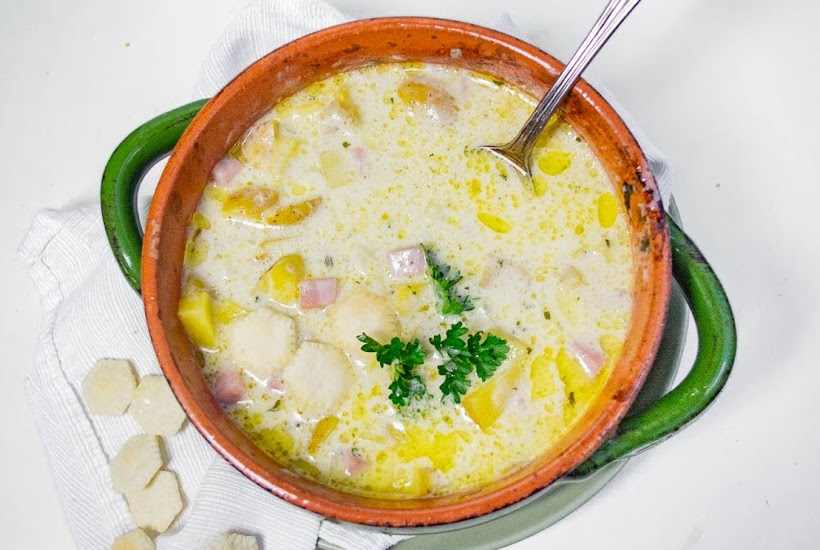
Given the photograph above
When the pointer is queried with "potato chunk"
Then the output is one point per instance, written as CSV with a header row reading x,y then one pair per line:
x,y
321,432
485,404
335,168
155,408
281,281
441,448
136,463
293,213
196,313
249,203
542,378
157,505
430,99
109,387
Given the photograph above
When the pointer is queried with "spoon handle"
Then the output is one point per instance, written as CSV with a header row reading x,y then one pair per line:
x,y
609,20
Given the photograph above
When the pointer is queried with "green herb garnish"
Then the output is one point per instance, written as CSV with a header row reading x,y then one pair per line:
x,y
404,357
445,279
462,356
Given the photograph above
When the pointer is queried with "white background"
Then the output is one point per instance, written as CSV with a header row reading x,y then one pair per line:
x,y
728,89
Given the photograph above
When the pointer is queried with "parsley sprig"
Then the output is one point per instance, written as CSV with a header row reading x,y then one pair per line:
x,y
477,352
445,279
404,357
461,356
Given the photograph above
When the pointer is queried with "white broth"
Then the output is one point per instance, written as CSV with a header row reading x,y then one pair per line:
x,y
334,221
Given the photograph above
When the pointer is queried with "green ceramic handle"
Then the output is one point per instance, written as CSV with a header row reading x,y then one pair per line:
x,y
717,342
123,173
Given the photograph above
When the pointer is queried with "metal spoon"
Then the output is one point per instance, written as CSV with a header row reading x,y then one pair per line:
x,y
518,152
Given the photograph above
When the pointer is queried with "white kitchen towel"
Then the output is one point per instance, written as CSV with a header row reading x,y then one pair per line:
x,y
91,313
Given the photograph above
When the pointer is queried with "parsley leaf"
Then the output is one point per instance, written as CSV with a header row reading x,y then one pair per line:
x,y
404,357
445,278
462,356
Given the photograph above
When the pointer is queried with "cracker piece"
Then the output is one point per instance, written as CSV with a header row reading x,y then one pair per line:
x,y
156,506
319,378
234,541
133,540
262,341
109,387
136,464
155,408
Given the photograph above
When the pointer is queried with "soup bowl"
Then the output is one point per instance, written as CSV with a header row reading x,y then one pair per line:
x,y
200,134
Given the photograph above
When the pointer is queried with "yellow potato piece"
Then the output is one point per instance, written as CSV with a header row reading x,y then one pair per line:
x,y
249,203
321,432
200,221
350,108
439,447
196,315
611,345
109,386
281,281
578,385
264,147
133,540
215,193
428,98
227,310
542,379
485,404
414,92
196,250
294,213
335,168
155,408
156,506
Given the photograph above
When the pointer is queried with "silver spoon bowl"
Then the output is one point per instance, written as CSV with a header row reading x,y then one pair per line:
x,y
518,152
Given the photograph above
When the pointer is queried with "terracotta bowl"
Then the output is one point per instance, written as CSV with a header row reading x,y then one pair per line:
x,y
224,119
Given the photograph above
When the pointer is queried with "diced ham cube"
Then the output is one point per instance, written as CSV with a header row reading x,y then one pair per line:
x,y
590,358
316,293
229,388
355,462
406,262
225,170
361,156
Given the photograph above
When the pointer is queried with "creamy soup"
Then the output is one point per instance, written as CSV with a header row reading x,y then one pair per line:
x,y
390,311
